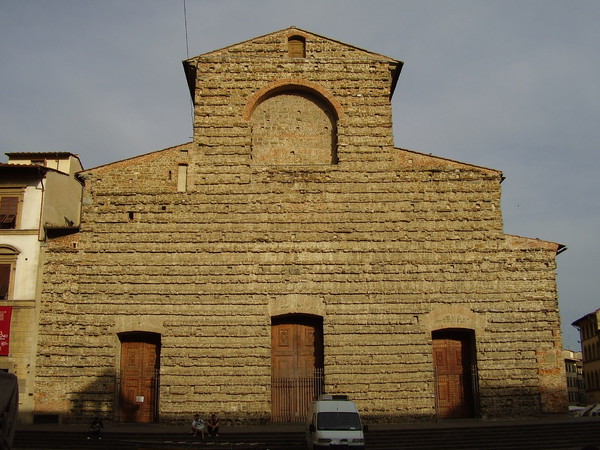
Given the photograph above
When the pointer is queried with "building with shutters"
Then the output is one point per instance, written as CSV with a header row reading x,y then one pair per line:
x,y
39,197
575,381
291,249
590,349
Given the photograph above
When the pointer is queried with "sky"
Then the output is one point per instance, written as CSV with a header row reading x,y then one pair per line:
x,y
512,85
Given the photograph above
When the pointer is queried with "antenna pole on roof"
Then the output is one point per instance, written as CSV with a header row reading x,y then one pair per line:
x,y
187,48
187,54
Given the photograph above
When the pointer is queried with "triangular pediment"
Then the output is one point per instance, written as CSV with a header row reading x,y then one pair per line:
x,y
277,44
271,43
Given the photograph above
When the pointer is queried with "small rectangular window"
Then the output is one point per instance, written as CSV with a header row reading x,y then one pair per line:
x,y
8,212
5,270
296,47
182,178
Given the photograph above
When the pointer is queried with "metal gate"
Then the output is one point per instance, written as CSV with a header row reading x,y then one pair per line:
x,y
291,396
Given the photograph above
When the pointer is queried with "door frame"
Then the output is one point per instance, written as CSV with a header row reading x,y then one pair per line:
x,y
470,381
141,337
293,393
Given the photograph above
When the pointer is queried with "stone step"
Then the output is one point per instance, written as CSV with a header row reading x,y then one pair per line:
x,y
116,441
571,435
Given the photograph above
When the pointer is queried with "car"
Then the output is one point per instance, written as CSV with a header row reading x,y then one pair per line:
x,y
333,421
590,411
576,410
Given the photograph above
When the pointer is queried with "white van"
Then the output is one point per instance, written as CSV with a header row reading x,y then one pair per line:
x,y
333,421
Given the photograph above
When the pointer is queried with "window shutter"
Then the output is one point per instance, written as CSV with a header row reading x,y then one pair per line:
x,y
4,280
8,212
296,47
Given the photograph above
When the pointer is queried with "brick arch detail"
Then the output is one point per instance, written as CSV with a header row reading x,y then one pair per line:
x,y
454,316
296,32
288,84
141,323
296,304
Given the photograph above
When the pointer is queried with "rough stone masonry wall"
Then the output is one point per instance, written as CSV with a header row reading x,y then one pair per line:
x,y
230,82
386,246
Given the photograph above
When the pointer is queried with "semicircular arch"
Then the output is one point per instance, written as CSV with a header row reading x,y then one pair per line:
x,y
292,124
291,84
6,250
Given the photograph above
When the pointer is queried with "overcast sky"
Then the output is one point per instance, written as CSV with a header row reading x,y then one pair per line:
x,y
512,85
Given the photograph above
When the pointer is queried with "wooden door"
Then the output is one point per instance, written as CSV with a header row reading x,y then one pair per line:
x,y
295,349
139,381
297,368
452,362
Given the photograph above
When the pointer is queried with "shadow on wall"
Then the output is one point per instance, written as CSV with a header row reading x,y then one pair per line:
x,y
9,404
103,397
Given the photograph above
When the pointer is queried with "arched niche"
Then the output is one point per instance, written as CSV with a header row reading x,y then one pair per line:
x,y
293,124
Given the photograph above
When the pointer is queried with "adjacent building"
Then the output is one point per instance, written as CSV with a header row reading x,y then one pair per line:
x,y
291,249
40,197
575,381
590,347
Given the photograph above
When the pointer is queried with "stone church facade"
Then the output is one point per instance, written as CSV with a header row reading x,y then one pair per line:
x,y
289,250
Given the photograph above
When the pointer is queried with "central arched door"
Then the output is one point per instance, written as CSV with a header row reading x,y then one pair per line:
x,y
297,365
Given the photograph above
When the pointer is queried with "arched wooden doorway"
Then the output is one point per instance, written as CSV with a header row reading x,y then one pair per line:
x,y
297,365
454,360
138,377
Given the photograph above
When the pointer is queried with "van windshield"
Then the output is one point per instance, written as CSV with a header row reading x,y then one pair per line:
x,y
338,421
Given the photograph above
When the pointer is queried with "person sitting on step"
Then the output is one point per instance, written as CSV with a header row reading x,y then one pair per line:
x,y
212,425
198,426
96,428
